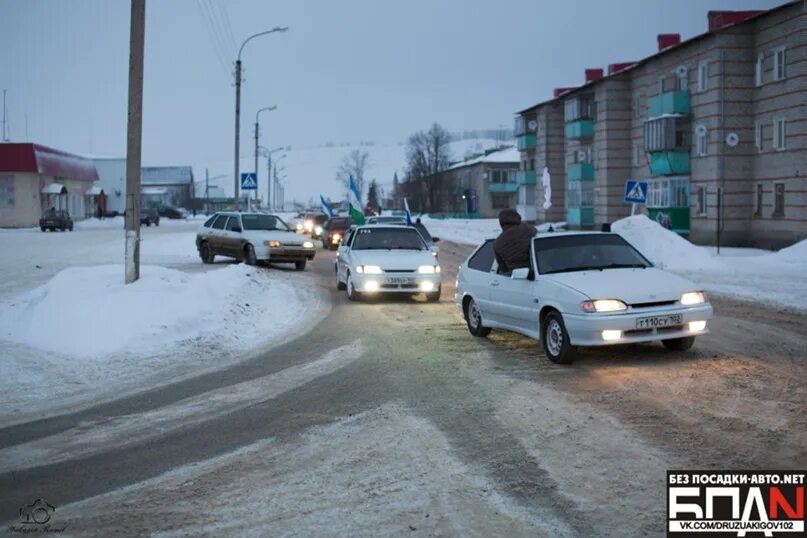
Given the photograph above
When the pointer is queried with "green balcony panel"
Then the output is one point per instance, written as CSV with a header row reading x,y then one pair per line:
x,y
675,219
669,103
580,129
580,216
526,142
526,177
503,187
667,163
580,172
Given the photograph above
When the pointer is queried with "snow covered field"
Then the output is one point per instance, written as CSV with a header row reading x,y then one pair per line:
x,y
73,333
777,278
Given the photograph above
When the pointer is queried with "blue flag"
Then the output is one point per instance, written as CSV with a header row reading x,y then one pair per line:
x,y
408,213
325,206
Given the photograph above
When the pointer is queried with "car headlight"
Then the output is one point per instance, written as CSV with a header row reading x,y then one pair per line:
x,y
273,243
429,269
308,244
337,237
318,230
309,225
693,297
369,269
603,305
299,226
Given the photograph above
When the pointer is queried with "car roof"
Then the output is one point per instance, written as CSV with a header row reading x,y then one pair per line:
x,y
388,225
564,233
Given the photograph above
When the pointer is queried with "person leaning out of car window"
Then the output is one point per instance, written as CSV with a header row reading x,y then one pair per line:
x,y
512,247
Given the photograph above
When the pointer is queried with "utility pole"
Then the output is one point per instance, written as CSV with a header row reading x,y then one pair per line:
x,y
207,192
4,137
134,139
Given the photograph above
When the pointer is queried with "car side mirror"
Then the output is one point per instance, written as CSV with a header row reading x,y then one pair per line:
x,y
520,274
236,230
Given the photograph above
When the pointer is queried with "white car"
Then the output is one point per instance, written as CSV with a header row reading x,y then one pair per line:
x,y
252,237
381,258
581,289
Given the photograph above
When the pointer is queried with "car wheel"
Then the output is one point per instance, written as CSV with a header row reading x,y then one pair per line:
x,y
206,253
473,317
249,255
71,228
352,294
555,339
300,266
434,296
43,228
679,344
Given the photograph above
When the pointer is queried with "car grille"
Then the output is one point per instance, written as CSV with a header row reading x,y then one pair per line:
x,y
653,305
399,270
661,330
399,286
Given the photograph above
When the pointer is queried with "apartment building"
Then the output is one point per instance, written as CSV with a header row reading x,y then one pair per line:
x,y
716,125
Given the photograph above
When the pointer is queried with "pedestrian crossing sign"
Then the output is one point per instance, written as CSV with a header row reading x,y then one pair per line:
x,y
636,192
249,181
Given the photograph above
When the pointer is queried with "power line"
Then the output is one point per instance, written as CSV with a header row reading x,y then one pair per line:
x,y
214,42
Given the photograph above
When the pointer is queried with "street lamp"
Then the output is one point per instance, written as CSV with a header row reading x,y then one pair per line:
x,y
257,116
238,103
266,152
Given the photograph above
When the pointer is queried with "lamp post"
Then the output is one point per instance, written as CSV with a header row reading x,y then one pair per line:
x,y
268,154
257,131
237,179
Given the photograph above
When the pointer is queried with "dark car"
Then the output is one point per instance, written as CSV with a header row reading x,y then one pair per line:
x,y
149,217
333,230
171,212
312,224
56,219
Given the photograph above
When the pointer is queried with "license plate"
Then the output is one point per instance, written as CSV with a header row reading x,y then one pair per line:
x,y
396,281
659,322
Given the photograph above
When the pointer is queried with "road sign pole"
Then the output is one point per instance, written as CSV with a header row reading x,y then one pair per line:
x,y
632,209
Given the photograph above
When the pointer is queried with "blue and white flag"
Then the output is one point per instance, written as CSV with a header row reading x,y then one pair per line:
x,y
408,213
325,206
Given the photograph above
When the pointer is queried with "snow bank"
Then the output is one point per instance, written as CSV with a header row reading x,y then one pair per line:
x,y
463,231
661,246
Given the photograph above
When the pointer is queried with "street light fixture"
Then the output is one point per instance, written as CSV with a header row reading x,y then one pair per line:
x,y
236,179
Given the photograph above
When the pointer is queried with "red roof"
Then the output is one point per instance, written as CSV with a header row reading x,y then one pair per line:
x,y
29,157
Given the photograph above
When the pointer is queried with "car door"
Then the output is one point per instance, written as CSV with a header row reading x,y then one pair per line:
x,y
214,237
342,254
476,277
232,240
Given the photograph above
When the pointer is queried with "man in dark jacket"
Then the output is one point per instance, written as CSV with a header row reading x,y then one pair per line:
x,y
512,247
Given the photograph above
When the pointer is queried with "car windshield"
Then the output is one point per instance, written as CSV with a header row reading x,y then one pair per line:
x,y
263,222
388,239
586,252
338,223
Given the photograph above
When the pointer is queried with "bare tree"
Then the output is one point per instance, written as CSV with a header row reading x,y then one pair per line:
x,y
427,154
353,164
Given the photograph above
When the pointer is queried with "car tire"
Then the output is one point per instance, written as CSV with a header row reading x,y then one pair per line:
x,y
249,255
679,344
206,253
44,229
473,318
300,266
434,296
352,294
555,339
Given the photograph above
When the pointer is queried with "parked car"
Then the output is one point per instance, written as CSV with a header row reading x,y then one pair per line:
x,y
56,219
253,238
581,289
149,217
171,212
333,230
379,258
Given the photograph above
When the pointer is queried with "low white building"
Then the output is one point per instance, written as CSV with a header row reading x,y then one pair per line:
x,y
111,182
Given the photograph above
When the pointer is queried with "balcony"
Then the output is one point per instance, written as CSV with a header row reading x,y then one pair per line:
x,y
580,172
526,142
580,129
582,217
669,103
666,163
526,177
503,187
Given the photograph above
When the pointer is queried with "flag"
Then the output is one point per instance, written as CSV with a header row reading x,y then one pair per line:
x,y
354,203
546,181
408,213
326,207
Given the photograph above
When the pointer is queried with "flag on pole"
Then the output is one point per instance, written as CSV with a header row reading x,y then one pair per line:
x,y
408,213
325,206
546,181
354,203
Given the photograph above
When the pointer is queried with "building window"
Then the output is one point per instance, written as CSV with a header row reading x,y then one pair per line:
x,y
703,76
500,201
779,134
759,132
779,63
666,133
532,164
760,75
580,108
6,192
701,141
701,200
637,155
778,199
758,200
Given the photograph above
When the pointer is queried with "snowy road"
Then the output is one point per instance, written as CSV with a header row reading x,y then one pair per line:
x,y
388,418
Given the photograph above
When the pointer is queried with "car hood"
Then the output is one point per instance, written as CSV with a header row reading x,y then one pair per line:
x,y
287,238
408,260
633,286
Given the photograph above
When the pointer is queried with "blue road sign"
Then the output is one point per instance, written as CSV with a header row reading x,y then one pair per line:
x,y
249,181
636,192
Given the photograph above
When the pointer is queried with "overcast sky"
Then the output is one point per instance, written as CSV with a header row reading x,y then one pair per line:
x,y
347,70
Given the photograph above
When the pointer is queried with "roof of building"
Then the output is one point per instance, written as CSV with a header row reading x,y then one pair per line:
x,y
166,175
718,22
505,155
38,159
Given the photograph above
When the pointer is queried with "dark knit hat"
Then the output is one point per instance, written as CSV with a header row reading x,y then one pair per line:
x,y
509,217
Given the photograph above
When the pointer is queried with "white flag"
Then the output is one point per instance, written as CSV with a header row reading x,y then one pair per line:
x,y
546,181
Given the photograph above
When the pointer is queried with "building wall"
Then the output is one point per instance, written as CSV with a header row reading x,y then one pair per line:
x,y
112,178
612,149
20,207
551,154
